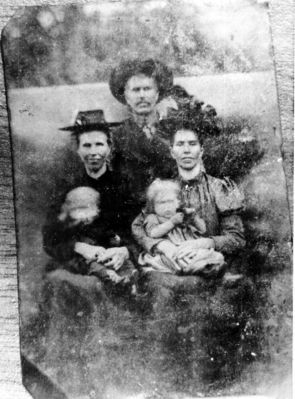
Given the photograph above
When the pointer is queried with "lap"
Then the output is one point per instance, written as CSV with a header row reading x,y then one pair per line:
x,y
66,284
187,284
72,294
61,276
203,296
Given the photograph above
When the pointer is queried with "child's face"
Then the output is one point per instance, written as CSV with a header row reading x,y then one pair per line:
x,y
84,215
166,204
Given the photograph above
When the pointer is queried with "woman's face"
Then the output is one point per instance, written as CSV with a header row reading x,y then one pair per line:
x,y
141,94
186,149
93,149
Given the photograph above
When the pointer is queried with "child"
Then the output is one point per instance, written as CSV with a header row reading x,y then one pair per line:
x,y
165,219
80,223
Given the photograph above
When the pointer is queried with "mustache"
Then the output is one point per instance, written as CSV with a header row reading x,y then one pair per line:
x,y
94,158
143,102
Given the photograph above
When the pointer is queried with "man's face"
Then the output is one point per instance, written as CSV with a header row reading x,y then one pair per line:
x,y
141,94
186,149
93,149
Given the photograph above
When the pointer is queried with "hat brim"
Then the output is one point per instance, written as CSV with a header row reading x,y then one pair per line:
x,y
87,128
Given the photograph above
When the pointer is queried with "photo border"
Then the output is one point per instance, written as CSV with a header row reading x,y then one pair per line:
x,y
281,12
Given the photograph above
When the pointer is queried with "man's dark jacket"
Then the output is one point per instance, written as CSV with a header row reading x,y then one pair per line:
x,y
139,160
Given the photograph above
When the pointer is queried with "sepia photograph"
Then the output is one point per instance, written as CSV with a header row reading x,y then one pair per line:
x,y
154,233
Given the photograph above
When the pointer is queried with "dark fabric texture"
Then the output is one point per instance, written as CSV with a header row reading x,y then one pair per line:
x,y
106,185
139,161
204,327
108,231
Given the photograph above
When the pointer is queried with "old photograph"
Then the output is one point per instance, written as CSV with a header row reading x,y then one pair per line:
x,y
153,225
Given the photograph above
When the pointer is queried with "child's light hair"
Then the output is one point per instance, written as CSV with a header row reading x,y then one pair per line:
x,y
159,186
82,197
78,199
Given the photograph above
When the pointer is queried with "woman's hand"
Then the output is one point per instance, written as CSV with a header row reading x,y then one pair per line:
x,y
89,252
188,248
114,257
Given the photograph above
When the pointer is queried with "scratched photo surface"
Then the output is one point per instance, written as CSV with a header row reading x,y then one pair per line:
x,y
80,336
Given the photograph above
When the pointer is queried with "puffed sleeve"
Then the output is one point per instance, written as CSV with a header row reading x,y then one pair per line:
x,y
228,197
229,201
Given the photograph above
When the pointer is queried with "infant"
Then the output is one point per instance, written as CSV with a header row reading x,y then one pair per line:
x,y
168,220
80,225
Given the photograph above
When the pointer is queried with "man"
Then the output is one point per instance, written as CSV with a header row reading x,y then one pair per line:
x,y
92,136
141,152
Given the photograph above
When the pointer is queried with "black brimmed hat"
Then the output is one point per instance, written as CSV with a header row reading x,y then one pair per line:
x,y
86,121
151,68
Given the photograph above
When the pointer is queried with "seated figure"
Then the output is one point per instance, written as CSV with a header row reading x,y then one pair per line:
x,y
165,219
93,146
79,225
207,309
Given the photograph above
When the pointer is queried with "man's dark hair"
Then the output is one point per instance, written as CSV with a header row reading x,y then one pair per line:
x,y
151,68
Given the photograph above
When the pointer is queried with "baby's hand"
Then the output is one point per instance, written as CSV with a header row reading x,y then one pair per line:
x,y
177,218
189,211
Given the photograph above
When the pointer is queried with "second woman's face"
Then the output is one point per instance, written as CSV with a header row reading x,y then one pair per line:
x,y
186,149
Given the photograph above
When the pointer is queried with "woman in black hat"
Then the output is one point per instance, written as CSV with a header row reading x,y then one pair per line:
x,y
92,135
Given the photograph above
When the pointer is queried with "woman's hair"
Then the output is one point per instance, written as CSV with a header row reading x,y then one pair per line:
x,y
159,186
171,126
185,125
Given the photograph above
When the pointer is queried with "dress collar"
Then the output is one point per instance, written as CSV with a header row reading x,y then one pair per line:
x,y
196,180
106,176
